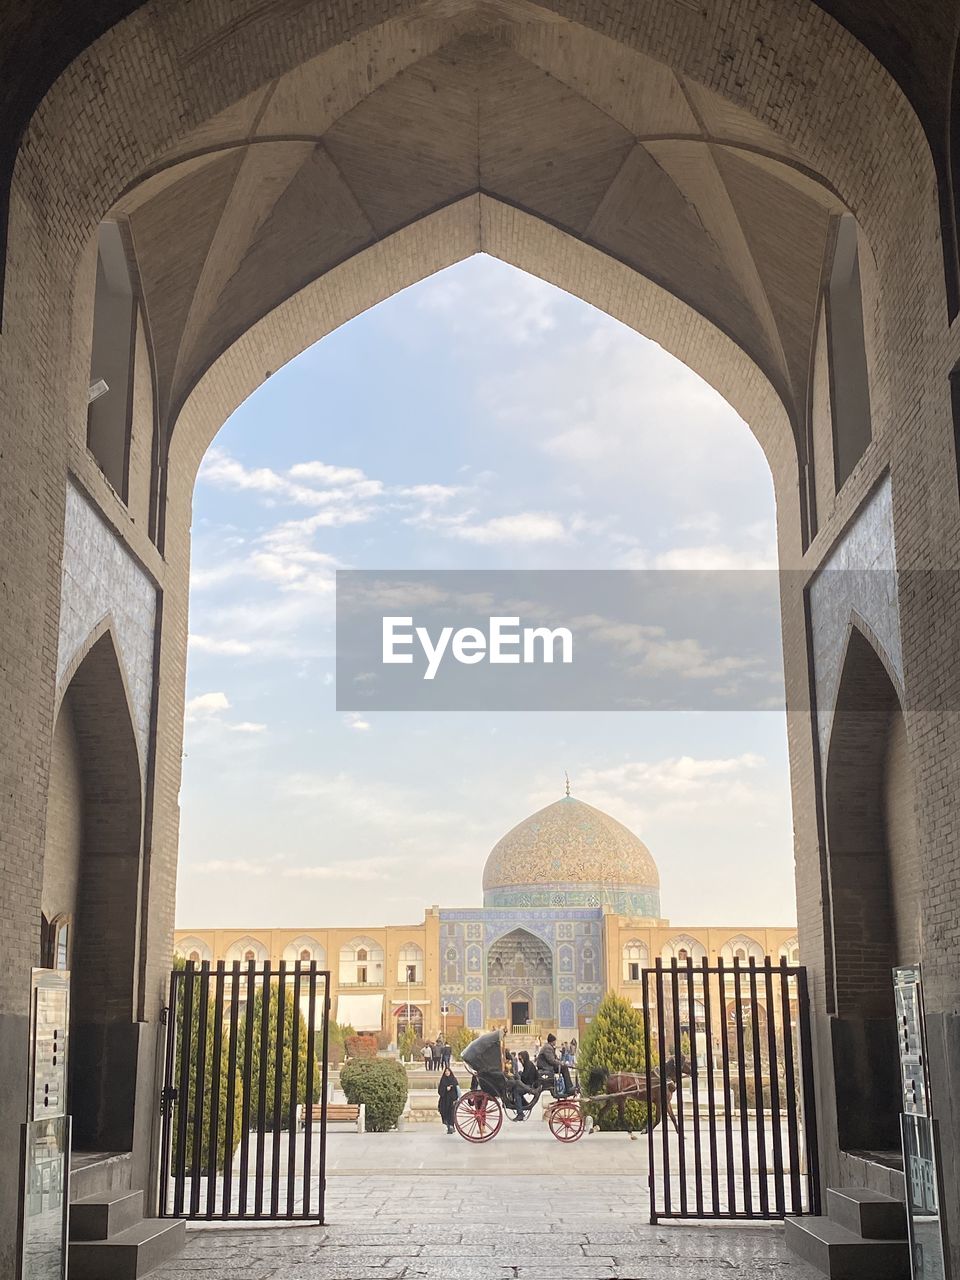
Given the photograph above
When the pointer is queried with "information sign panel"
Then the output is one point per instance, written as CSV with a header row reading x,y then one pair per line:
x,y
50,1017
44,1197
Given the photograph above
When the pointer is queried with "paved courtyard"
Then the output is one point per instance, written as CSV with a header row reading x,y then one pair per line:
x,y
425,1206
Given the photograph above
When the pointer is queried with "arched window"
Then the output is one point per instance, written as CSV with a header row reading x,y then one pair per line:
x,y
305,955
634,959
849,387
410,963
194,957
109,399
249,955
683,955
361,963
589,965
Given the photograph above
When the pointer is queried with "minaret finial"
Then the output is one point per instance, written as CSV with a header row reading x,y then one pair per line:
x,y
566,778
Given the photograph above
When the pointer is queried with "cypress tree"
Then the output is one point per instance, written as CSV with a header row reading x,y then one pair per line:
x,y
614,1041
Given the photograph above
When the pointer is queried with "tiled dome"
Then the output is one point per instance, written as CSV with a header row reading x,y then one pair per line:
x,y
572,848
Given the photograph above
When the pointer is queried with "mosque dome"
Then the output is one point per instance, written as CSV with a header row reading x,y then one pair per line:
x,y
572,855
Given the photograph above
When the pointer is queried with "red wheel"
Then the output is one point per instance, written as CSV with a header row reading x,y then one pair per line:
x,y
478,1117
566,1121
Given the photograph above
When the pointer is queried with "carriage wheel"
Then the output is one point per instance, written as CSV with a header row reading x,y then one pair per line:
x,y
478,1117
566,1121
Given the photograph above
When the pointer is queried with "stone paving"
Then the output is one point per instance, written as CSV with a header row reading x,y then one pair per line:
x,y
525,1214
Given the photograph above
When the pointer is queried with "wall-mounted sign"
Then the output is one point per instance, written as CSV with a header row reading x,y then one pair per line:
x,y
908,992
45,1195
921,1169
50,1020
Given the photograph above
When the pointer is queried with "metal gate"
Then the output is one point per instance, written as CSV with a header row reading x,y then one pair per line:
x,y
244,1102
741,1141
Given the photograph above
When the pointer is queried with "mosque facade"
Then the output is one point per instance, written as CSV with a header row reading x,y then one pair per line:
x,y
571,910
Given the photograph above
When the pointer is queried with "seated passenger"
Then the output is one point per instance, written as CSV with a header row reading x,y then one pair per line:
x,y
527,1080
548,1061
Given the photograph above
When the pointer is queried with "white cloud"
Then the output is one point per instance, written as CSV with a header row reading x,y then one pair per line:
x,y
223,645
353,720
206,704
247,726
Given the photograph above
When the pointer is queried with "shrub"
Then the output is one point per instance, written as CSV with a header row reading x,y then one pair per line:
x,y
614,1041
459,1038
361,1046
336,1038
381,1085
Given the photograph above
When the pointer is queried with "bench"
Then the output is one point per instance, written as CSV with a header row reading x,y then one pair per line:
x,y
349,1113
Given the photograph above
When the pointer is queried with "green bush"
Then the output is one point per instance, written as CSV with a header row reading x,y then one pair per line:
x,y
459,1038
337,1035
381,1085
614,1040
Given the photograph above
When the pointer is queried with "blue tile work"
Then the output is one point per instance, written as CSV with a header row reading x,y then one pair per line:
x,y
622,901
570,937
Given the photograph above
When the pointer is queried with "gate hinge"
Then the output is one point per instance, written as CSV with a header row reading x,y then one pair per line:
x,y
164,1014
169,1093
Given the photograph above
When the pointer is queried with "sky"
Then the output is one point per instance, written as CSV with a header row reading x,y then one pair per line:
x,y
481,419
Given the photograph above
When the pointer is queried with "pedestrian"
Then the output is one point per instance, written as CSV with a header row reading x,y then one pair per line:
x,y
526,1079
426,1055
438,1054
448,1092
447,1053
573,1047
537,1046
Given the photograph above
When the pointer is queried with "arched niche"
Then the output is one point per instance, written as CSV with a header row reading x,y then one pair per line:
x,y
873,879
92,867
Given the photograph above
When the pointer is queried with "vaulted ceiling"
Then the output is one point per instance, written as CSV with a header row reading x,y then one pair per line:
x,y
599,141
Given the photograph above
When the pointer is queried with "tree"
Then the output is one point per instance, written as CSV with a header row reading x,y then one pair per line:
x,y
459,1038
407,1042
337,1034
293,1040
214,1073
614,1041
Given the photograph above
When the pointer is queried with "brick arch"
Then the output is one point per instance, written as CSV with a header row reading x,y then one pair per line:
x,y
104,1030
872,854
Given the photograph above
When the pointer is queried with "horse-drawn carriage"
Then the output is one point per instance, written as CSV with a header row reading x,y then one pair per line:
x,y
478,1116
479,1113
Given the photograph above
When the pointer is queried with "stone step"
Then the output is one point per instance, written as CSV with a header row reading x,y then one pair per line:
x,y
870,1214
842,1255
98,1216
129,1254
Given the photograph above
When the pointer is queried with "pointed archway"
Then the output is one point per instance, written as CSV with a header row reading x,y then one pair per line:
x,y
91,887
872,850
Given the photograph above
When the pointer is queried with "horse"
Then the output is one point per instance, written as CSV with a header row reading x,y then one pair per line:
x,y
631,1086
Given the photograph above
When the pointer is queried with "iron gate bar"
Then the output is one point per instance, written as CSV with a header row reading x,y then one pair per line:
x,y
758,1093
246,1081
694,1085
808,1086
166,1098
742,1091
727,1095
184,1091
772,1056
278,1088
262,1093
711,1099
216,1070
231,1085
785,1040
665,1084
648,1075
199,1081
292,1104
790,1079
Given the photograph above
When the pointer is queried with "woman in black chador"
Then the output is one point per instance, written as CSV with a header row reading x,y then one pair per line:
x,y
449,1092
